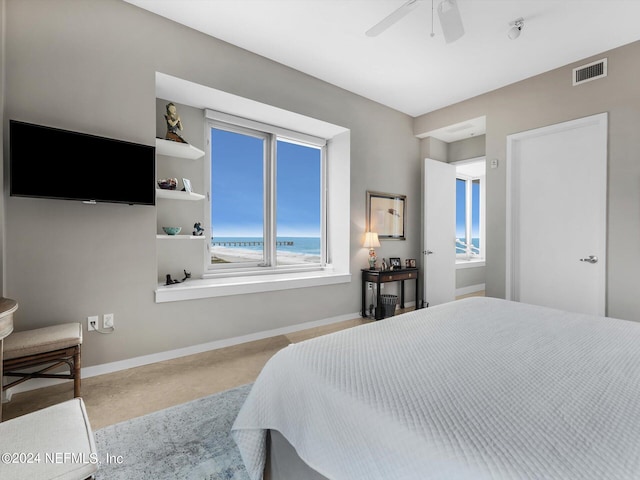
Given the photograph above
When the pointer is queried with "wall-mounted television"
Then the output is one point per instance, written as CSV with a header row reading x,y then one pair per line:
x,y
47,162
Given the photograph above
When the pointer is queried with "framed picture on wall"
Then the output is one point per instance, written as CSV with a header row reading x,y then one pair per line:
x,y
385,214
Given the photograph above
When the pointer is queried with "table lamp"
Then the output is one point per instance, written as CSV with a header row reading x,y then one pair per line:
x,y
371,241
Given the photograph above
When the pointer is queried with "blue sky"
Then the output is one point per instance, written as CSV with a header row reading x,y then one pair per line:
x,y
237,187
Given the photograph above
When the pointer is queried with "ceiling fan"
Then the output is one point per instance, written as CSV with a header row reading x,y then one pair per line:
x,y
448,12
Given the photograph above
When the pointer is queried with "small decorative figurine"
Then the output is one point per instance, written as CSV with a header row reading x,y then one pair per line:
x,y
171,281
168,183
198,231
173,124
384,264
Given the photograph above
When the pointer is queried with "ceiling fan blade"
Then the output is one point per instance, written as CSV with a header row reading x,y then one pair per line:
x,y
392,18
450,20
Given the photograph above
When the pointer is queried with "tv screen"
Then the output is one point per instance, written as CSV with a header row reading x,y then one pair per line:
x,y
46,162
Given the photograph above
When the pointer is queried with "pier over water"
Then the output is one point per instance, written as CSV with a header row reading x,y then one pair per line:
x,y
250,243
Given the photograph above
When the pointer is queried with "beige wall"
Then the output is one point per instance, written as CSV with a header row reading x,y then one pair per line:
x,y
2,171
547,99
434,149
468,277
465,149
90,66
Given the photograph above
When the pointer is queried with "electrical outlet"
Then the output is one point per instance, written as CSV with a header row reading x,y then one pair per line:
x,y
370,285
92,323
107,320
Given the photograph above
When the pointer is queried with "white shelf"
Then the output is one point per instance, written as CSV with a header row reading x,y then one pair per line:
x,y
178,237
177,195
177,149
177,252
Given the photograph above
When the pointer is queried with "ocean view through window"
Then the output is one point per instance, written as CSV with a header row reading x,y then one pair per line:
x,y
298,203
292,250
467,216
469,211
266,202
237,193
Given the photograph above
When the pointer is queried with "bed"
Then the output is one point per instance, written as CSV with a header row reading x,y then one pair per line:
x,y
479,388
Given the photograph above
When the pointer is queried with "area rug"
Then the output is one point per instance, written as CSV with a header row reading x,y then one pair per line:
x,y
191,441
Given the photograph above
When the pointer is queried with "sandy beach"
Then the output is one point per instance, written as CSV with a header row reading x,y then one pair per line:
x,y
237,255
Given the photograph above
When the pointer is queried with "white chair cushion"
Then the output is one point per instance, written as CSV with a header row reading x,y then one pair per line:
x,y
53,443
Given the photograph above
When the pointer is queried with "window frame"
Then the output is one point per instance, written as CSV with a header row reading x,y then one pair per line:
x,y
469,179
338,218
271,134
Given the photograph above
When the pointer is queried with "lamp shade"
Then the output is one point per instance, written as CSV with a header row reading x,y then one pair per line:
x,y
371,240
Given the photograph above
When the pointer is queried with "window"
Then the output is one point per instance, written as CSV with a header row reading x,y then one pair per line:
x,y
298,206
237,197
470,210
333,144
266,198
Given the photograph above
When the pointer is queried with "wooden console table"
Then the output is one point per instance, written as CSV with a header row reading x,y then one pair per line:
x,y
386,276
7,307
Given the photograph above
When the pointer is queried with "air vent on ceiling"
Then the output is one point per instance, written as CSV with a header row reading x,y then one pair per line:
x,y
591,71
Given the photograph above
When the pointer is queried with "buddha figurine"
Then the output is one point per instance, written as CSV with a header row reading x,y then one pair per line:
x,y
174,124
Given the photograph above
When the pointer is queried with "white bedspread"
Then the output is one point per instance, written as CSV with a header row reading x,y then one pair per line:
x,y
475,389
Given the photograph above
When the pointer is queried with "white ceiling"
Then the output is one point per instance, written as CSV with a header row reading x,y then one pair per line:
x,y
404,67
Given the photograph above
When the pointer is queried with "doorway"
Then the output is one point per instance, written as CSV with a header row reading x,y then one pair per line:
x,y
556,215
470,227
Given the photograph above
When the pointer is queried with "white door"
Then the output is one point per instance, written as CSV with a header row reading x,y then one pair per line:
x,y
556,223
439,232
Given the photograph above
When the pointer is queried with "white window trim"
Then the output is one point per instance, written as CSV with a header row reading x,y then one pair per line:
x,y
338,175
240,129
472,263
226,118
477,260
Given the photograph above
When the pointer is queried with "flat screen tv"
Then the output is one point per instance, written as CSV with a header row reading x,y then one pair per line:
x,y
46,162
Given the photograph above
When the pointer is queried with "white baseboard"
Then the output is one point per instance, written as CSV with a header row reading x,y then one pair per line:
x,y
470,289
87,372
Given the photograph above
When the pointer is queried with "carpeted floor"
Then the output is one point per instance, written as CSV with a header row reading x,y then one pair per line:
x,y
191,441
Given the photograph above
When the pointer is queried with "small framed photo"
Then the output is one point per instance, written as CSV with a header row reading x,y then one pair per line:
x,y
394,263
187,185
410,263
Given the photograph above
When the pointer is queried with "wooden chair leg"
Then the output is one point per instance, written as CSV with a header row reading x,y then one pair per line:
x,y
76,373
70,357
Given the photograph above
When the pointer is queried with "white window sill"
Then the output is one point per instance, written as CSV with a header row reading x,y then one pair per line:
x,y
475,262
219,287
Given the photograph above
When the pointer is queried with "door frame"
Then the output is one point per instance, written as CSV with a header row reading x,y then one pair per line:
x,y
600,120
